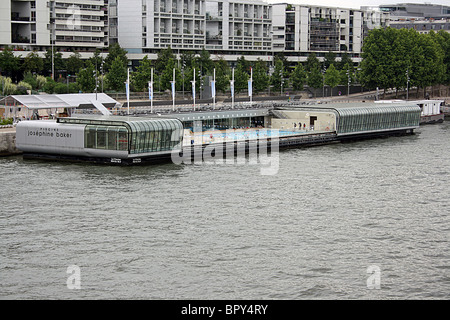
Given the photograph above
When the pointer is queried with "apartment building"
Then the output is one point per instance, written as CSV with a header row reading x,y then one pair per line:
x,y
417,10
238,26
79,25
146,26
226,28
301,29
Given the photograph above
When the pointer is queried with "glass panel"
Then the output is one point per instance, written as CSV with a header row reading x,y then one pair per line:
x,y
89,138
101,137
112,138
123,139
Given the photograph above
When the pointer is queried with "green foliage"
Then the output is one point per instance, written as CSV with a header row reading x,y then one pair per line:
x,y
30,79
23,87
205,63
222,75
5,122
329,59
97,60
59,62
115,51
9,63
163,57
261,78
141,77
86,78
298,77
49,86
315,79
8,87
278,75
241,75
40,82
389,53
167,76
332,77
74,63
312,62
117,75
33,63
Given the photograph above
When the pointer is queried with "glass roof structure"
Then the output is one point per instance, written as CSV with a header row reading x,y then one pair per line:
x,y
49,101
144,134
353,118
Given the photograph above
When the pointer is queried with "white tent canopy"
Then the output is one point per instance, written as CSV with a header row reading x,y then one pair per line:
x,y
49,101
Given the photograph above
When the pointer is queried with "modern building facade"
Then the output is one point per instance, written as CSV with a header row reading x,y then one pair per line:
x,y
77,25
230,29
417,10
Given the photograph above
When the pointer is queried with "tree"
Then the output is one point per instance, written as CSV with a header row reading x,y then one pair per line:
x,y
240,78
277,77
74,63
115,51
33,63
117,75
376,66
9,63
163,57
97,60
261,78
167,76
443,39
315,79
205,63
142,75
329,59
58,62
86,78
298,77
430,68
332,77
8,87
345,62
29,78
312,62
222,75
389,53
347,73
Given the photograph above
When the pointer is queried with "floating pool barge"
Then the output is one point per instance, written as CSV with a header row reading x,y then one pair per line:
x,y
127,140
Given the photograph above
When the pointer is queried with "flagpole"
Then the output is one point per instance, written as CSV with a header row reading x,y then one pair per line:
x,y
232,90
173,90
193,87
251,85
151,91
214,90
128,90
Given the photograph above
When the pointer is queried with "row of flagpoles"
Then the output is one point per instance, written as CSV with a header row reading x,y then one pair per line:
x,y
213,89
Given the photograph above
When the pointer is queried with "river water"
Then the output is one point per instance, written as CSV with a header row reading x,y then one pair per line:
x,y
361,220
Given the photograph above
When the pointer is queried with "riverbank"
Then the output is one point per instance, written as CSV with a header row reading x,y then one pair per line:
x,y
8,142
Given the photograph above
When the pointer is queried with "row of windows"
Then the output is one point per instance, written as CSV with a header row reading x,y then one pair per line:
x,y
364,121
153,136
106,137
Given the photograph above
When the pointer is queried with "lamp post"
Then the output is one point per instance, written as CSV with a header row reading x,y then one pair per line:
x,y
348,82
407,84
324,70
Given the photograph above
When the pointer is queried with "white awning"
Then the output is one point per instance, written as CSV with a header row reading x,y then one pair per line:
x,y
48,101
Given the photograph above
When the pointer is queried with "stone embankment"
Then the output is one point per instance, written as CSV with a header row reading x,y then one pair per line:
x,y
8,142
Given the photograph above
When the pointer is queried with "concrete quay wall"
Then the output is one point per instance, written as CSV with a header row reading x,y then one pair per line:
x,y
8,142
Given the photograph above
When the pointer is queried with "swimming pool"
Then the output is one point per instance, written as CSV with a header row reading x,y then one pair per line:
x,y
236,135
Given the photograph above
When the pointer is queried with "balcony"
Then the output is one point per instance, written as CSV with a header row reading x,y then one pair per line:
x,y
15,16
